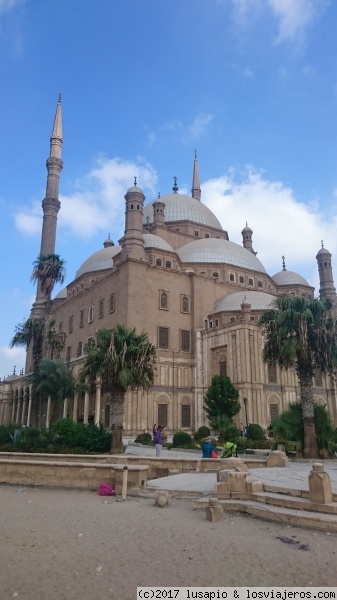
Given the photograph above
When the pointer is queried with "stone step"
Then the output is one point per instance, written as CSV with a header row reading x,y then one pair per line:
x,y
288,516
299,503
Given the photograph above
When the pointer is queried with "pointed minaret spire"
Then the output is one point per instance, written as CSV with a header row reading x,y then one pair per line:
x,y
50,204
196,191
283,264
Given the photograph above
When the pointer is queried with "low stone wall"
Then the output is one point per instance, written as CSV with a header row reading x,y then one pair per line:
x,y
83,475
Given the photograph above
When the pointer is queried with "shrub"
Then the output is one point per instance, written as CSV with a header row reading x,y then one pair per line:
x,y
145,439
202,432
255,432
6,433
259,444
182,438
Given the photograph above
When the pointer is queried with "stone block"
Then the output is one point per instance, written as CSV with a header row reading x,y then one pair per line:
x,y
222,486
277,459
319,485
254,487
234,463
214,510
237,481
223,474
162,499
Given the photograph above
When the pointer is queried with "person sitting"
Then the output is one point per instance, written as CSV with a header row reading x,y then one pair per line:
x,y
229,449
207,448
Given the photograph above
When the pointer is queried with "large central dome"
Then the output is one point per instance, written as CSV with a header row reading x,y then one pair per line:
x,y
179,207
214,250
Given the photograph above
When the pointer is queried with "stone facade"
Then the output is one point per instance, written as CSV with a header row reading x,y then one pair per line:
x,y
198,296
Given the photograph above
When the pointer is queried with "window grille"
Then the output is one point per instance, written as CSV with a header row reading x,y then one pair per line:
x,y
163,337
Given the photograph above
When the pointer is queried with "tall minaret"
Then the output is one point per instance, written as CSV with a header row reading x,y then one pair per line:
x,y
196,191
326,284
247,240
132,241
50,204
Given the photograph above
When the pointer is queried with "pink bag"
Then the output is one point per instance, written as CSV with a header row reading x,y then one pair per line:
x,y
106,489
214,454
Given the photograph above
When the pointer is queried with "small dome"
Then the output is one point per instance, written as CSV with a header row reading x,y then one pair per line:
x,y
289,278
323,251
62,294
99,260
257,300
179,207
214,250
135,190
154,241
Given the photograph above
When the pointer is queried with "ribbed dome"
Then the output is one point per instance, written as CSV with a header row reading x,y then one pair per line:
x,y
62,294
179,207
153,241
213,250
289,278
257,300
99,260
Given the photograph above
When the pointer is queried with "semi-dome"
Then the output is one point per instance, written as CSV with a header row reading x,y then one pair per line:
x,y
99,260
289,278
154,241
61,295
214,250
179,207
257,300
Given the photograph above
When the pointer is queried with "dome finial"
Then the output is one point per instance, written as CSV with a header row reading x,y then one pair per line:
x,y
135,181
322,244
175,187
158,195
195,155
60,96
283,264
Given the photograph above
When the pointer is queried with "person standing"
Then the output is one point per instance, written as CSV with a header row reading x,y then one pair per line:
x,y
158,440
154,429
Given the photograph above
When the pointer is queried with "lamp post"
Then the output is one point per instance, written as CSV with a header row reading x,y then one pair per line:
x,y
245,403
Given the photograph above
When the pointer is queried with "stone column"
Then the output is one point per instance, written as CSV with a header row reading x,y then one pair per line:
x,y
29,414
48,412
98,400
319,485
18,411
86,408
75,408
65,408
13,411
24,408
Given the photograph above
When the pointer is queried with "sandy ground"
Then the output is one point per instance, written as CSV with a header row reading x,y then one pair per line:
x,y
67,545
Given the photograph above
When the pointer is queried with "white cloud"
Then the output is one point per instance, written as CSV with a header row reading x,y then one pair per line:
x,y
281,224
7,5
199,125
10,358
293,16
97,202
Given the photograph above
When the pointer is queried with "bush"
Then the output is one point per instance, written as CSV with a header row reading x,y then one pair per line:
x,y
6,433
259,444
182,438
202,432
145,439
255,432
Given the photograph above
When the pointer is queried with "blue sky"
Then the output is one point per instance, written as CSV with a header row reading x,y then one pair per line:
x,y
250,84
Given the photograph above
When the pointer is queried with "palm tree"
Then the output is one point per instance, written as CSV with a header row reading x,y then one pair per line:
x,y
48,270
56,380
300,333
33,331
123,360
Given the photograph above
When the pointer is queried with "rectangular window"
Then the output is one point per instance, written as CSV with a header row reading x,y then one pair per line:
x,y
163,337
60,326
82,318
185,341
107,416
223,368
79,350
71,323
186,415
272,373
112,303
68,356
318,378
273,412
162,415
101,309
91,314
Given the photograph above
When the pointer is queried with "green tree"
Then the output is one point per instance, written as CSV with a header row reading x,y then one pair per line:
x,y
300,333
48,270
221,400
123,360
55,379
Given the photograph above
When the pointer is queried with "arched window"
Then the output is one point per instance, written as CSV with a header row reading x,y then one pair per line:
x,y
163,300
185,305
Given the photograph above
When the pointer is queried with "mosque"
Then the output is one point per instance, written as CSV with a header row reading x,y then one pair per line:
x,y
176,276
